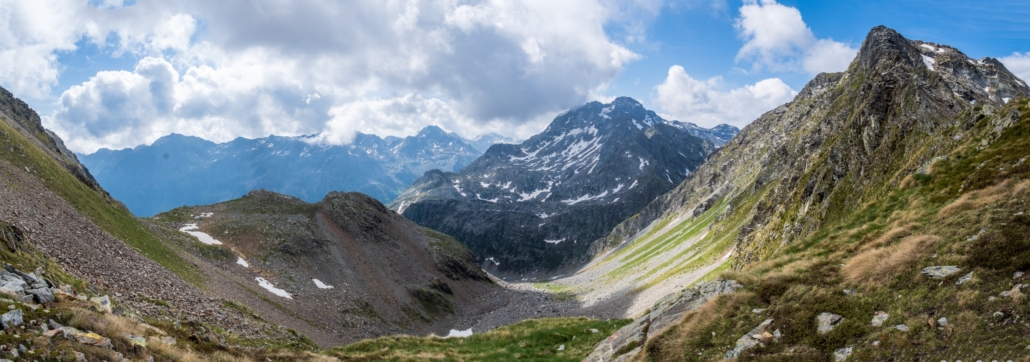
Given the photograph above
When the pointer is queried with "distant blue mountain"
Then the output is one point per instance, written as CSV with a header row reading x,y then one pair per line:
x,y
179,170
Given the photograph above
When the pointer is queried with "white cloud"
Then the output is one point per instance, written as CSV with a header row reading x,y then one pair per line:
x,y
117,109
776,38
1018,64
250,68
684,98
31,32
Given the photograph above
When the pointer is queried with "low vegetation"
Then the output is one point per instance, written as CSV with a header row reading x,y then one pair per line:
x,y
871,261
554,339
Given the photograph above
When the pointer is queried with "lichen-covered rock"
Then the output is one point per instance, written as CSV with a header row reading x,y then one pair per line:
x,y
879,318
103,303
755,337
11,319
940,272
827,321
841,354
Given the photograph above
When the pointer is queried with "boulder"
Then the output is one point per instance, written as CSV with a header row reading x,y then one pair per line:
x,y
750,339
879,318
42,295
965,279
827,321
11,319
841,354
103,302
940,272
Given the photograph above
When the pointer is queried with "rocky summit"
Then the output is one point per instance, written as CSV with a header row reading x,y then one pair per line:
x,y
538,206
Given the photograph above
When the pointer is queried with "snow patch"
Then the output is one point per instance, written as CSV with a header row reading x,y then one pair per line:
x,y
271,288
457,187
931,48
633,185
203,237
544,215
492,260
586,197
605,111
556,242
643,163
1006,100
459,334
929,62
240,261
320,285
533,195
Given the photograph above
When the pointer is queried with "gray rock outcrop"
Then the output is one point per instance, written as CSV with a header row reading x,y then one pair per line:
x,y
664,313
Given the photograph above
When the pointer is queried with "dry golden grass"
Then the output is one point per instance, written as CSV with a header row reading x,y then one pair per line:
x,y
980,198
107,325
175,353
1021,188
693,322
877,265
908,181
889,237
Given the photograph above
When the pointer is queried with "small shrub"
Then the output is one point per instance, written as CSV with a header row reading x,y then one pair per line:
x,y
1005,250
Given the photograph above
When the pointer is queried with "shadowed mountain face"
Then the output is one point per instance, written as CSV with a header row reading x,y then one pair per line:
x,y
347,266
179,170
538,206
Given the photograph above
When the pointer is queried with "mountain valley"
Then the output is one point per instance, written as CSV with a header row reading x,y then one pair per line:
x,y
879,215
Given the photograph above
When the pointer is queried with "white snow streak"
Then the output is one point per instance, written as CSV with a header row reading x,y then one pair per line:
x,y
320,285
271,288
203,237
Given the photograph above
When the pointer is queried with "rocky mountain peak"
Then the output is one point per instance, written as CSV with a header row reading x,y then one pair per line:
x,y
563,188
432,131
985,80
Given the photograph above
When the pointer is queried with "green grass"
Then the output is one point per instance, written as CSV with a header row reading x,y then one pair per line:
x,y
808,277
106,213
534,340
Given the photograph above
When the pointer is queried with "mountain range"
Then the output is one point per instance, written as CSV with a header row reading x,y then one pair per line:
x,y
181,170
880,215
539,205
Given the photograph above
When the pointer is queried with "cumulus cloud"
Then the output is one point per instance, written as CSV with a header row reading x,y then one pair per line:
x,y
1018,64
776,38
684,98
117,109
256,66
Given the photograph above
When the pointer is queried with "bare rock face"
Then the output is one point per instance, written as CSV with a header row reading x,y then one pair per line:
x,y
538,206
900,105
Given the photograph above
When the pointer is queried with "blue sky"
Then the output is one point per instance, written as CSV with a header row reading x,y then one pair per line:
x,y
115,73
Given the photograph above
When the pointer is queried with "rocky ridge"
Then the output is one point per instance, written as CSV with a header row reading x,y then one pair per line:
x,y
838,142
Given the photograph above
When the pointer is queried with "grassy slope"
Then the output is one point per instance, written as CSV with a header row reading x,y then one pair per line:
x,y
537,339
104,212
969,211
